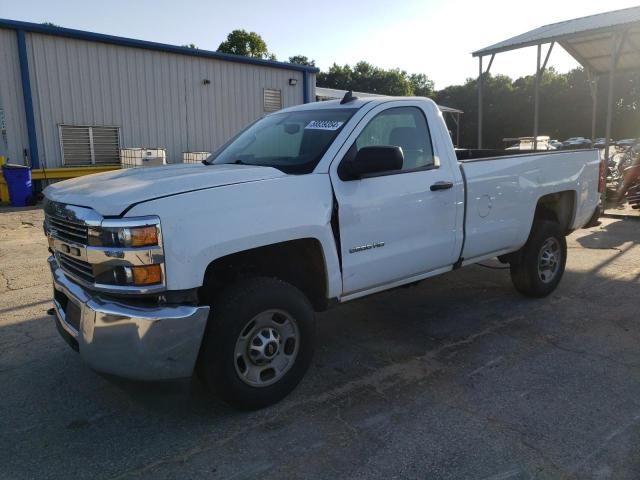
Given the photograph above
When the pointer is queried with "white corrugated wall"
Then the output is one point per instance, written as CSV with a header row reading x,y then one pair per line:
x,y
157,99
11,101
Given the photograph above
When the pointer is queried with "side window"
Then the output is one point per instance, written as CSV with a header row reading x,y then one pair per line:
x,y
404,127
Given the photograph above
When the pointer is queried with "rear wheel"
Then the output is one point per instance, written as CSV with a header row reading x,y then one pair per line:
x,y
258,343
537,269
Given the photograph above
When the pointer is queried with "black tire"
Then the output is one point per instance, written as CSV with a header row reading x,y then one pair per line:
x,y
232,312
525,274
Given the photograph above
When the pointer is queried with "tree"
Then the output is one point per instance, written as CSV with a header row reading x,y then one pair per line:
x,y
302,60
422,86
365,77
336,77
190,45
248,44
565,106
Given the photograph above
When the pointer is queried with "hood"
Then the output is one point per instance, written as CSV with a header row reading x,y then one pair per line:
x,y
110,193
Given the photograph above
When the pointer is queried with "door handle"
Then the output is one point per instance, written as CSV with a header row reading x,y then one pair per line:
x,y
441,186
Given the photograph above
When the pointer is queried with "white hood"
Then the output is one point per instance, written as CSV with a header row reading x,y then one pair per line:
x,y
110,193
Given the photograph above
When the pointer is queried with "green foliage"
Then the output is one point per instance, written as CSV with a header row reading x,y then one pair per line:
x,y
364,77
565,106
422,86
302,60
190,45
565,99
248,44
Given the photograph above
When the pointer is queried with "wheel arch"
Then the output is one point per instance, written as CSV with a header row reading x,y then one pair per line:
x,y
300,262
559,207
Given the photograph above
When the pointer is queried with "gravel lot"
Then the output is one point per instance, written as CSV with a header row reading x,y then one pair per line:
x,y
458,377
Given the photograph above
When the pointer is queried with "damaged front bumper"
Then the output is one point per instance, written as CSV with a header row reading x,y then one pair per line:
x,y
137,342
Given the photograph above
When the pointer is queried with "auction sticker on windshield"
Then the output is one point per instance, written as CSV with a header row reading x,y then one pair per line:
x,y
323,125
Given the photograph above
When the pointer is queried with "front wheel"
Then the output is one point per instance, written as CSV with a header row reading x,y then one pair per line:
x,y
537,269
258,343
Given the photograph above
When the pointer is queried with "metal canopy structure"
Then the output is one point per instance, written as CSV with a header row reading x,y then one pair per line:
x,y
603,44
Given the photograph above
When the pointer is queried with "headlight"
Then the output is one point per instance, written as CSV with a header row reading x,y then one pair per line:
x,y
134,275
123,237
130,253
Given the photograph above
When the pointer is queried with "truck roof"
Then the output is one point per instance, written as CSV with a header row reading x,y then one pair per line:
x,y
357,103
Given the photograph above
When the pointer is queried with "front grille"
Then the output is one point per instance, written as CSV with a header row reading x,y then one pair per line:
x,y
76,267
65,229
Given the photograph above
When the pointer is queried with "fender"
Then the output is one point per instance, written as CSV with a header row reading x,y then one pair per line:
x,y
202,226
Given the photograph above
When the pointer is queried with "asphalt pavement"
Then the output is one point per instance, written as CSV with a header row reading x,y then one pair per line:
x,y
456,378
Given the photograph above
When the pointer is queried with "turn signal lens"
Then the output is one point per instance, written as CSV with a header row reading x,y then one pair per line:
x,y
123,237
143,236
146,274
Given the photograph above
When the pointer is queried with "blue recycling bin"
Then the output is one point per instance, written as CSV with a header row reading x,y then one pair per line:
x,y
18,178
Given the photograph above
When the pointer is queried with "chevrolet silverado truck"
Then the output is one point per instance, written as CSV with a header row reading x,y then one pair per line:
x,y
218,268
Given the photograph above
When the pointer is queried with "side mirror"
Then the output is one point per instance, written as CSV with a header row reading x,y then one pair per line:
x,y
370,160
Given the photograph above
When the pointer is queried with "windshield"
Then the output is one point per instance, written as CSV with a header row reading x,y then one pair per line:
x,y
293,142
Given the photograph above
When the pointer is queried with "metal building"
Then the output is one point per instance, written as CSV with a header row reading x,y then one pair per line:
x,y
71,98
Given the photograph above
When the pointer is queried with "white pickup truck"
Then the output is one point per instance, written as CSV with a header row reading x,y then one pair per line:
x,y
218,267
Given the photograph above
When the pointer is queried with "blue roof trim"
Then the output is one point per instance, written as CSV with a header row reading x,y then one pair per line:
x,y
305,87
28,100
161,47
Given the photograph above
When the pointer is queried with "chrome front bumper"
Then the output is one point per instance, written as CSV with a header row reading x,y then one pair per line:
x,y
143,343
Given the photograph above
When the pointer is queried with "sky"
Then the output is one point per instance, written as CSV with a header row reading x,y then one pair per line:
x,y
431,37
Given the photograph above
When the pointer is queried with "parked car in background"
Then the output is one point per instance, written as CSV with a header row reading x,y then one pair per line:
x,y
576,142
526,143
601,142
220,266
557,144
627,142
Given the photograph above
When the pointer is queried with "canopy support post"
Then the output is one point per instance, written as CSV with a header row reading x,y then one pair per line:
x,y
593,86
546,59
616,45
480,85
480,102
536,100
536,108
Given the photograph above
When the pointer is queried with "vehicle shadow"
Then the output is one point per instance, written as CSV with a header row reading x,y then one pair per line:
x,y
611,235
353,340
441,338
11,209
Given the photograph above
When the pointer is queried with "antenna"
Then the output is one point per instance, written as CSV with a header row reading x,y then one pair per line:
x,y
348,97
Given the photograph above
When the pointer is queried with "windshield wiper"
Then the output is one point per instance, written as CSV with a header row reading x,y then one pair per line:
x,y
237,161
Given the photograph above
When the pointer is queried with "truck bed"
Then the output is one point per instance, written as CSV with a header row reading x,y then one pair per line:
x,y
503,189
467,154
471,154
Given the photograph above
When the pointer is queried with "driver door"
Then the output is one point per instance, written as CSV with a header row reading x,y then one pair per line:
x,y
394,225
